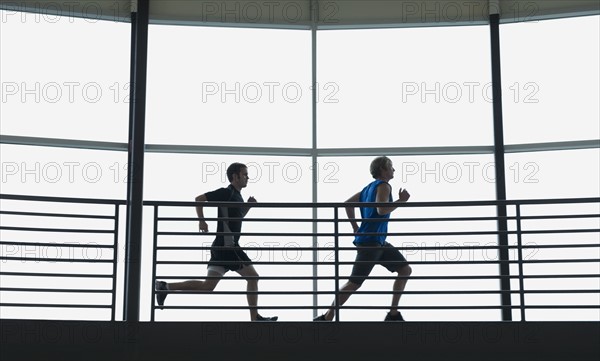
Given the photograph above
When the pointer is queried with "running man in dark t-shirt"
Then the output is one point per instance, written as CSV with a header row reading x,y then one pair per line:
x,y
226,253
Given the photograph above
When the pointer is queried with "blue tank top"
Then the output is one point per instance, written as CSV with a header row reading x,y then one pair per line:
x,y
369,194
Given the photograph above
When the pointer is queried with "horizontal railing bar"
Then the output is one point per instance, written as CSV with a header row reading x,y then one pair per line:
x,y
58,305
374,204
577,245
61,230
458,292
559,231
331,234
61,290
62,199
206,248
45,244
248,219
381,307
329,220
306,204
61,215
478,307
389,234
40,259
588,275
324,278
319,234
566,216
306,263
581,260
559,291
420,219
38,274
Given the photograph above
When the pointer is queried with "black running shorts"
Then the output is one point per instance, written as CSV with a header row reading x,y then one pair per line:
x,y
231,258
371,253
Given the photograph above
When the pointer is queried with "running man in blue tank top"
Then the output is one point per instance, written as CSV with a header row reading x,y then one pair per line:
x,y
372,247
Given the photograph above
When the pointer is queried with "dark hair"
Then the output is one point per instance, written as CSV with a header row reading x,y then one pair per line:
x,y
378,164
234,168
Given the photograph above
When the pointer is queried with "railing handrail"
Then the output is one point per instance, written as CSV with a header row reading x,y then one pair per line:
x,y
303,204
374,204
62,199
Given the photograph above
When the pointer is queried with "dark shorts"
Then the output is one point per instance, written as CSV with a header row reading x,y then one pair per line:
x,y
372,253
230,258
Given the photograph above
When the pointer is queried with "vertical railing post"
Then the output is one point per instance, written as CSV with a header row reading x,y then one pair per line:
x,y
520,262
336,239
154,259
115,262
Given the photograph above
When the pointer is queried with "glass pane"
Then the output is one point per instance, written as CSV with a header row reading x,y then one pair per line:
x,y
59,85
555,175
427,178
221,86
62,172
59,172
182,177
551,80
404,87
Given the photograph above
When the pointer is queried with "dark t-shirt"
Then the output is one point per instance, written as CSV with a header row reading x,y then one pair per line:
x,y
229,194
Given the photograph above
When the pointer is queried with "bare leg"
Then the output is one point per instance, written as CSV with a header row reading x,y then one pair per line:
x,y
251,276
399,285
345,292
193,285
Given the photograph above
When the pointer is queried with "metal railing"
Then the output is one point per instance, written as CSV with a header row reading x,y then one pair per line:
x,y
22,252
162,238
322,258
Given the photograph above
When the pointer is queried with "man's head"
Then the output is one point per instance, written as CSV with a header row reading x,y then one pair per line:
x,y
237,174
381,167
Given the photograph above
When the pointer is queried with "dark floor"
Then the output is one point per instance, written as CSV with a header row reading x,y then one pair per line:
x,y
74,340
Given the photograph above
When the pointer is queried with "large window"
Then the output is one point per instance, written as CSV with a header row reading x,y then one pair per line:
x,y
67,78
551,80
404,87
64,77
230,87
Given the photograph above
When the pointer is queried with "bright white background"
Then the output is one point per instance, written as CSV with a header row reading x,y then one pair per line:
x,y
219,86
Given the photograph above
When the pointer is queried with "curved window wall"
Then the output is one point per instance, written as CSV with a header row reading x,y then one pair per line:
x,y
379,91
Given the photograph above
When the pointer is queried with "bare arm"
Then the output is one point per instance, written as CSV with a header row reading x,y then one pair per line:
x,y
383,196
350,211
200,212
